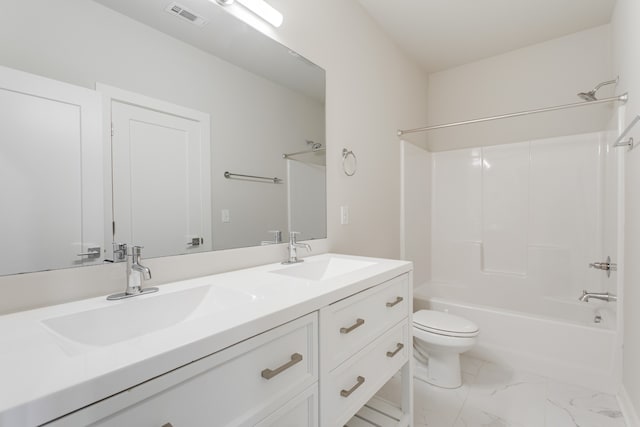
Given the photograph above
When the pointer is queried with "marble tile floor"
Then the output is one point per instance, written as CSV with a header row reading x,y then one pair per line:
x,y
496,396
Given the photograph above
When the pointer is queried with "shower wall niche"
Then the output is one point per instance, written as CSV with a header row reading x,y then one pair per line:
x,y
517,222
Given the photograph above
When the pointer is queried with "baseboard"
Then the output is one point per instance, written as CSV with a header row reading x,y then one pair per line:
x,y
630,415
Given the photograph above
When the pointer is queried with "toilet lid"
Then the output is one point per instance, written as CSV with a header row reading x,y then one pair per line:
x,y
444,323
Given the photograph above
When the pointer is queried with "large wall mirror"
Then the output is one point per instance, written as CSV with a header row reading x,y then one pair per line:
x,y
134,122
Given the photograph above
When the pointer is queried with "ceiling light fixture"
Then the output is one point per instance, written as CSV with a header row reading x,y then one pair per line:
x,y
260,8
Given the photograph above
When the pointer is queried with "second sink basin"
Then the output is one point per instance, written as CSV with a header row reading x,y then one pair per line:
x,y
323,269
134,317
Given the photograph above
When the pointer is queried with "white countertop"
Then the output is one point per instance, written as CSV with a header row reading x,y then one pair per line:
x,y
44,375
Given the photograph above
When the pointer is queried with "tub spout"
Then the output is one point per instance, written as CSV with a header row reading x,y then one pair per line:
x,y
604,296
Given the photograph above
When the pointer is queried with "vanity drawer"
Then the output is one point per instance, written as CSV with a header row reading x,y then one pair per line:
x,y
354,382
302,411
238,386
350,324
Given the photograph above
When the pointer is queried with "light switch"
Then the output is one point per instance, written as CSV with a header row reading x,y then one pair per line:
x,y
224,215
344,215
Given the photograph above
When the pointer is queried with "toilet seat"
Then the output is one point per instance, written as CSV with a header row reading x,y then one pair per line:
x,y
438,322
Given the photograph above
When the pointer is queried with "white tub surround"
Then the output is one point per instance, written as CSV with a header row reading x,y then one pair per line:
x,y
509,225
515,229
58,359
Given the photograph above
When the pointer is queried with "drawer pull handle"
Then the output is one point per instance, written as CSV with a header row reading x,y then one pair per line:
x,y
399,347
269,373
167,425
358,323
397,301
346,393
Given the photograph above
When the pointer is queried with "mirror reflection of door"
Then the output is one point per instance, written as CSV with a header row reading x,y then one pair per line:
x,y
50,174
160,174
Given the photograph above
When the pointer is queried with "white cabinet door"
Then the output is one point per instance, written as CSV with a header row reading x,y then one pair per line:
x,y
161,177
50,173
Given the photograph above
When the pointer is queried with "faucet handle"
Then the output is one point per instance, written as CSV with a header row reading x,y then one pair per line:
x,y
292,236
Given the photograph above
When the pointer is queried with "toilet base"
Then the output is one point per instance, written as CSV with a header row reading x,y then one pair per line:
x,y
441,370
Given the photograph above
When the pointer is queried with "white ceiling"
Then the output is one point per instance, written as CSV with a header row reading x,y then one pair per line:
x,y
441,34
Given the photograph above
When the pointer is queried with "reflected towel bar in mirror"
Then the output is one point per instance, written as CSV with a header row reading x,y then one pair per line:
x,y
289,155
230,175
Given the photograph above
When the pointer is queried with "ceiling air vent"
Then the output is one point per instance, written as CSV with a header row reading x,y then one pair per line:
x,y
179,10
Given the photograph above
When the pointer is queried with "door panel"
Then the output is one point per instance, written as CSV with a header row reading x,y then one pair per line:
x,y
50,174
161,189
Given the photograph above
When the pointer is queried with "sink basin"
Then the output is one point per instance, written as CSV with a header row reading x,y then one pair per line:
x,y
324,269
142,315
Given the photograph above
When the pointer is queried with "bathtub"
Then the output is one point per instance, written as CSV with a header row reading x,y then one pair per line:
x,y
565,343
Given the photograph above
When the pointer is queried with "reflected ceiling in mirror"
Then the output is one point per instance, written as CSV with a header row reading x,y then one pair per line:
x,y
255,98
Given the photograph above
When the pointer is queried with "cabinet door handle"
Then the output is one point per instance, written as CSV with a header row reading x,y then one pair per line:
x,y
397,301
167,425
399,347
269,373
346,393
358,323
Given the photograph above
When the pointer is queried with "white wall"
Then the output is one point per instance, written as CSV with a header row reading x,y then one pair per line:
x,y
538,76
626,44
372,90
416,210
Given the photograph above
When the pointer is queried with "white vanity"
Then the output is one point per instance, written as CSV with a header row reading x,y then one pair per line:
x,y
301,345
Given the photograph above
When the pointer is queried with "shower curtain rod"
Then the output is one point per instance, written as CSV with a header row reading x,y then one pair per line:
x,y
622,98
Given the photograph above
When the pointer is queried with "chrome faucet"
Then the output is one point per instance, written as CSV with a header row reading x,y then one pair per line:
x,y
604,296
136,274
293,249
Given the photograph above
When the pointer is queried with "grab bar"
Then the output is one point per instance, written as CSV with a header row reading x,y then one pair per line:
x,y
230,175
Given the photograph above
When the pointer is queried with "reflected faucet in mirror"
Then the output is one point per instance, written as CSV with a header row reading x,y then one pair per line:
x,y
277,238
136,274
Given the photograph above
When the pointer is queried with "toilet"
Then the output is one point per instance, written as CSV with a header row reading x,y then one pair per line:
x,y
439,339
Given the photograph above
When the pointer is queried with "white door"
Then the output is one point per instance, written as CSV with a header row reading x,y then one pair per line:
x,y
50,174
161,176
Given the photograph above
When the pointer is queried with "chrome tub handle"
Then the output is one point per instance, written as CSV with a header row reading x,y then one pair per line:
x,y
359,322
270,373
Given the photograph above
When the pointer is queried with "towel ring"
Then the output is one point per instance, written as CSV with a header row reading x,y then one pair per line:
x,y
349,170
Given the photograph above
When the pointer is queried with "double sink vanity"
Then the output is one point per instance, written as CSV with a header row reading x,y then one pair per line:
x,y
276,345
